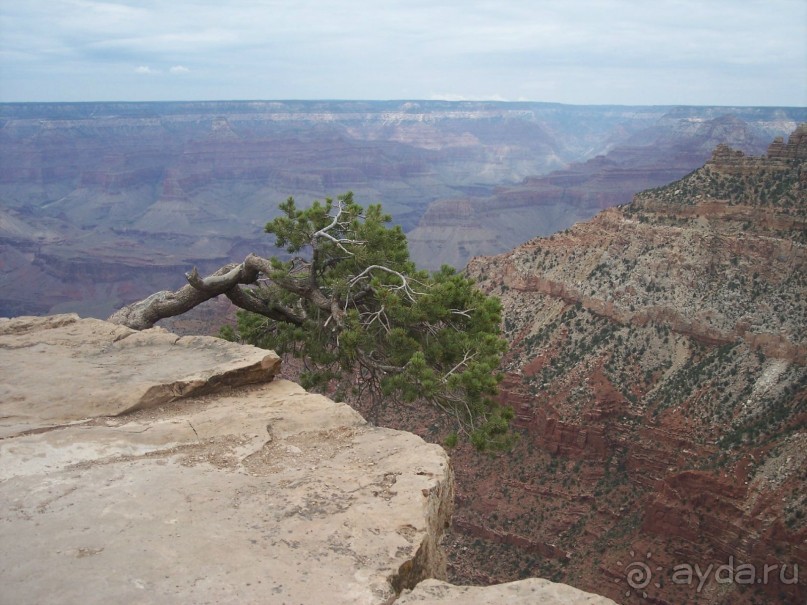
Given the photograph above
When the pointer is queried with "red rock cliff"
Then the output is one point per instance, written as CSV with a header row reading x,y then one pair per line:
x,y
658,374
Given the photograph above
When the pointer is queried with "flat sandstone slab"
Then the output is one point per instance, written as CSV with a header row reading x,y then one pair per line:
x,y
60,369
532,591
140,467
260,493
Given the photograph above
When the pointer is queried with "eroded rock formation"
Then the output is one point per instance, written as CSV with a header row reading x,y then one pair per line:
x,y
454,230
658,372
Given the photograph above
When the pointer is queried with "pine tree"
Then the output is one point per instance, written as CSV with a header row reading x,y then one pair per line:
x,y
349,302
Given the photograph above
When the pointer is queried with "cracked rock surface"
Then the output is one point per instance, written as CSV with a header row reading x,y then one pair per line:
x,y
60,369
140,467
247,493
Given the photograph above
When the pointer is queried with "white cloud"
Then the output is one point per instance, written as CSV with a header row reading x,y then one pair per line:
x,y
147,70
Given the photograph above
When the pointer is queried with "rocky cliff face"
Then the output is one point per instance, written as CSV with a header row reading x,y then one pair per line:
x,y
455,230
658,374
151,468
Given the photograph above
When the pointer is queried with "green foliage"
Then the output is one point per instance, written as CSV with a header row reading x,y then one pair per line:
x,y
368,323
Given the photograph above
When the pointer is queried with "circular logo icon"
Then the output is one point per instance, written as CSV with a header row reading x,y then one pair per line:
x,y
638,575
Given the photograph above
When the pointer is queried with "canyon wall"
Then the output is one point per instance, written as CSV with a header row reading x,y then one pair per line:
x,y
657,371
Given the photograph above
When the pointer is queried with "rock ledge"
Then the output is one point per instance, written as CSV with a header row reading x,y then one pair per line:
x,y
143,467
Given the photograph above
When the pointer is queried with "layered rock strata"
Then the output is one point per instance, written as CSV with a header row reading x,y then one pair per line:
x,y
659,373
102,204
453,230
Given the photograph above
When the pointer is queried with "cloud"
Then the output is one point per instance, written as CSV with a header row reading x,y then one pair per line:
x,y
553,50
150,71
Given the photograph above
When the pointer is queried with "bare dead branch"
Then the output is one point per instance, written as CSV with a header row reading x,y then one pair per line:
x,y
338,241
370,317
405,287
242,297
145,313
221,281
466,358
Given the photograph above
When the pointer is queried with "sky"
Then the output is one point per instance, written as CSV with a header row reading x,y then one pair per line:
x,y
632,52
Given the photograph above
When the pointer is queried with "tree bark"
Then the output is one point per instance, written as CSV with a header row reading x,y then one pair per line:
x,y
143,314
227,280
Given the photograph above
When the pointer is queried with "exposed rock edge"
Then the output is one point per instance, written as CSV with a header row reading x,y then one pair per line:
x,y
144,467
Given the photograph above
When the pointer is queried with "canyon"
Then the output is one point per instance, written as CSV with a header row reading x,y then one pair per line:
x,y
657,362
103,203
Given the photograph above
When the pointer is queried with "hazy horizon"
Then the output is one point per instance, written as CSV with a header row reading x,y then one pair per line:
x,y
380,101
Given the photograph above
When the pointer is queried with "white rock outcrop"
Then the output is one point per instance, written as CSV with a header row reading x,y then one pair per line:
x,y
532,591
140,467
